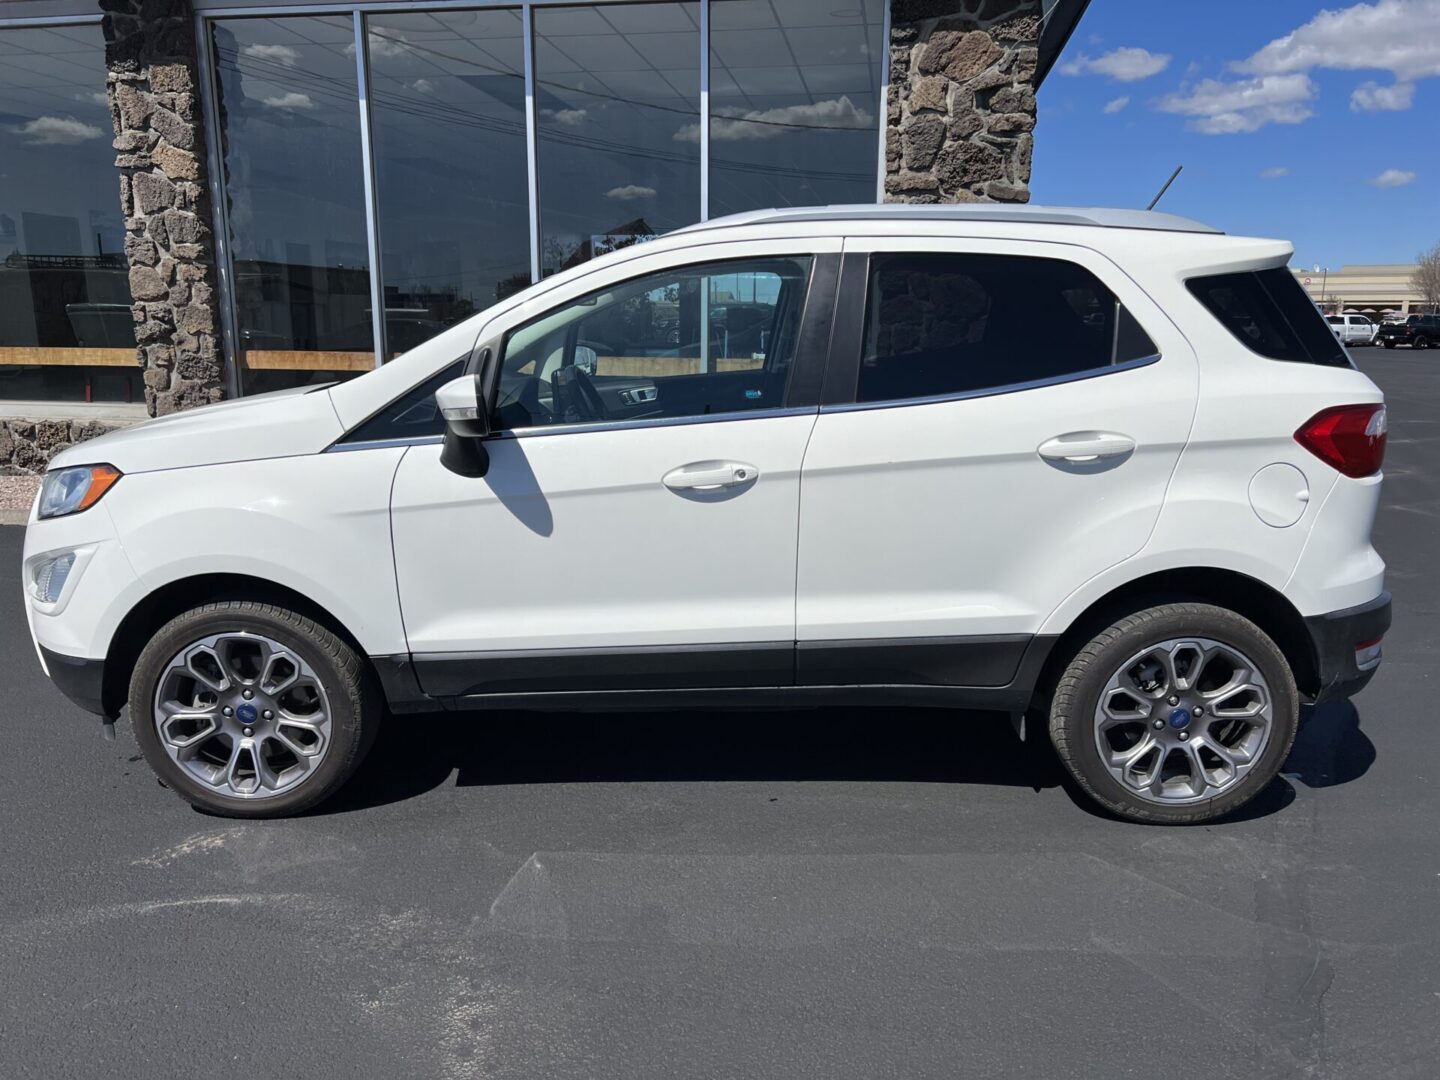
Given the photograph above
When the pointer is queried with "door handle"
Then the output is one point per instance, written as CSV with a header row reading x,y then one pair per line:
x,y
1081,447
709,475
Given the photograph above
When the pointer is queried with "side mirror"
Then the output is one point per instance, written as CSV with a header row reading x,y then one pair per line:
x,y
467,421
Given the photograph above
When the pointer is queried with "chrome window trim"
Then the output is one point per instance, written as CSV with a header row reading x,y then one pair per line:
x,y
650,422
40,22
342,447
225,311
995,391
372,205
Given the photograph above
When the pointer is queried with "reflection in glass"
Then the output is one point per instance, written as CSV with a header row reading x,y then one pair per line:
x,y
65,328
794,102
617,91
447,109
294,187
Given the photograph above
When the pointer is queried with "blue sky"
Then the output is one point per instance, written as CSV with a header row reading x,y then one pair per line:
x,y
1317,125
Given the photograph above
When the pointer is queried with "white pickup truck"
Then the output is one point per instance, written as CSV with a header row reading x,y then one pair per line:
x,y
1353,329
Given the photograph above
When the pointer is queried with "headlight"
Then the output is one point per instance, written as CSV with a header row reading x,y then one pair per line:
x,y
68,491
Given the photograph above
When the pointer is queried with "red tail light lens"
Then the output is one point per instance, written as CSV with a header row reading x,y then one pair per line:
x,y
1349,437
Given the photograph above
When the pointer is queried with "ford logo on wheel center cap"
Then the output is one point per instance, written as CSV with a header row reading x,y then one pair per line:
x,y
248,714
1180,719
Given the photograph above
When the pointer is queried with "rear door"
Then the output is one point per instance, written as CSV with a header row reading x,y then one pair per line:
x,y
999,424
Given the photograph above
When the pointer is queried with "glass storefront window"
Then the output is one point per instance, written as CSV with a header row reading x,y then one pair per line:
x,y
617,92
65,328
794,102
295,193
447,114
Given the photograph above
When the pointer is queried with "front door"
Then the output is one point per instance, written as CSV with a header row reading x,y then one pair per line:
x,y
1000,427
637,526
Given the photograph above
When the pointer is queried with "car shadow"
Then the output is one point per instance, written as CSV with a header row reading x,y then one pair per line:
x,y
418,753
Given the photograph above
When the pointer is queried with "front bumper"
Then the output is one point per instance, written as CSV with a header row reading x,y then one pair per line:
x,y
1335,636
80,680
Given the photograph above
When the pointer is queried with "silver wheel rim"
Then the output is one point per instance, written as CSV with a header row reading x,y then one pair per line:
x,y
243,715
1183,721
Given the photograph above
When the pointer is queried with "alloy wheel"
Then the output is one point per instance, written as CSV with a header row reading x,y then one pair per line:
x,y
1183,721
244,715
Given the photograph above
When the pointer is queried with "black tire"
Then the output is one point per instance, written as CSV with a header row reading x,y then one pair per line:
x,y
1422,343
1077,696
354,703
1389,343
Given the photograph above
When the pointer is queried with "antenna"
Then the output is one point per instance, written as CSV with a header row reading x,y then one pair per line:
x,y
1166,188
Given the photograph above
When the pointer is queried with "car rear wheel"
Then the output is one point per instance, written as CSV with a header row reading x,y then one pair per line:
x,y
1389,343
1176,714
1422,343
250,710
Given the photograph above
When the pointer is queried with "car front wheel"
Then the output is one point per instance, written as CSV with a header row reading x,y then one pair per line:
x,y
1176,714
247,709
1422,343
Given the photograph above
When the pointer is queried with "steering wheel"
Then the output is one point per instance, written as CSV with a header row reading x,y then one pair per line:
x,y
576,399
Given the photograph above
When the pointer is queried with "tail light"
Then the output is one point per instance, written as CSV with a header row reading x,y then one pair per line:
x,y
1351,438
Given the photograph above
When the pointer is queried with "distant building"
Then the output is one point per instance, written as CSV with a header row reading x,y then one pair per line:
x,y
1366,289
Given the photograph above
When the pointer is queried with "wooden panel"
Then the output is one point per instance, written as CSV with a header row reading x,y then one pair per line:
x,y
48,356
308,360
659,367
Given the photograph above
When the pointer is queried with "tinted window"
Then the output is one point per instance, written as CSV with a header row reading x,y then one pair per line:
x,y
447,108
296,194
687,342
794,102
65,328
415,415
947,324
1335,320
1269,313
616,85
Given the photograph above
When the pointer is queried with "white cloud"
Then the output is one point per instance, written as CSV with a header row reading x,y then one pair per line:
x,y
58,131
94,97
1372,97
568,117
1394,178
291,100
631,191
1116,105
1122,65
1398,36
386,46
280,54
1228,108
733,125
1274,172
423,86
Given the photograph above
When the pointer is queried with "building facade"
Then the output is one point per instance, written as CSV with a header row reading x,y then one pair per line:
x,y
201,199
1373,290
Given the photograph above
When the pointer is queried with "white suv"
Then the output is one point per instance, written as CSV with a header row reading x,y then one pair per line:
x,y
1106,468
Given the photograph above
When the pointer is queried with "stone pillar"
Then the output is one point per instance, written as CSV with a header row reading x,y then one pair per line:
x,y
153,88
962,100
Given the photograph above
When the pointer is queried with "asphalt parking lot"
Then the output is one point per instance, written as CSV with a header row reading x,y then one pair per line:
x,y
827,894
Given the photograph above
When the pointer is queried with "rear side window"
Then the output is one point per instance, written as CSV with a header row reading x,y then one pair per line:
x,y
943,324
1269,313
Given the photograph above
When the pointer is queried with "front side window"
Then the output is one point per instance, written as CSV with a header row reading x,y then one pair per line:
x,y
942,324
692,341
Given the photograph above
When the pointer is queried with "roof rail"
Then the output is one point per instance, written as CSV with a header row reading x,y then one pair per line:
x,y
979,212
